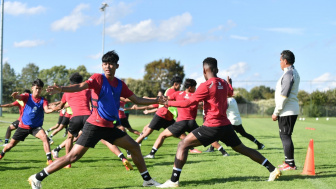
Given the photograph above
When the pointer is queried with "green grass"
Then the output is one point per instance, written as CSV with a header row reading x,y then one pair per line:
x,y
100,168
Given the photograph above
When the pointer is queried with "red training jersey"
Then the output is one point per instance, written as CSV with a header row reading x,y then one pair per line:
x,y
121,110
79,102
25,99
95,83
16,103
188,113
213,93
163,111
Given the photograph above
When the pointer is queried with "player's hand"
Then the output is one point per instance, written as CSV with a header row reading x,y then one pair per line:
x,y
14,94
54,89
229,80
145,111
274,117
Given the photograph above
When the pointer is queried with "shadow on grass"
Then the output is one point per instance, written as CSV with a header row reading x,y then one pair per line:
x,y
170,163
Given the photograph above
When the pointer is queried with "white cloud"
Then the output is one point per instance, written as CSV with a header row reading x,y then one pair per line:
x,y
324,82
73,21
286,30
18,8
243,38
29,43
146,30
95,56
234,71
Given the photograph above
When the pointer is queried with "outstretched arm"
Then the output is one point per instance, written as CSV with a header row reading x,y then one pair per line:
x,y
70,89
16,95
7,105
138,100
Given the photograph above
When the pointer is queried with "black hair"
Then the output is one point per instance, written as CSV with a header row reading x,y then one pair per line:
x,y
212,63
38,82
176,79
189,83
289,56
27,91
76,78
162,91
110,57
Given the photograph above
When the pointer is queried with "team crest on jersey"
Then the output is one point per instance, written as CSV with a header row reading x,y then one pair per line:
x,y
220,86
34,109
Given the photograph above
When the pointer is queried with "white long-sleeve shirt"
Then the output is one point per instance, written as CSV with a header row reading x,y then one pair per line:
x,y
287,88
233,112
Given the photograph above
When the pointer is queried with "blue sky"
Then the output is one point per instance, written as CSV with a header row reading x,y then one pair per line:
x,y
246,37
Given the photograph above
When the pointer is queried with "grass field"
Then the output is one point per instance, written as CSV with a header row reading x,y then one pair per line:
x,y
100,168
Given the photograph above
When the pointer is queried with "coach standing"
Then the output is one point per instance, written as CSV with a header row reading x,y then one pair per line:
x,y
287,106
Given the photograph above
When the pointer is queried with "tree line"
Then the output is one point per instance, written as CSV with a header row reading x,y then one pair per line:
x,y
157,77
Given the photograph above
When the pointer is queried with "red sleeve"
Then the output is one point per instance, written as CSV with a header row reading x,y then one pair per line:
x,y
16,103
125,91
230,90
173,96
200,94
155,105
64,98
95,82
170,91
45,102
24,97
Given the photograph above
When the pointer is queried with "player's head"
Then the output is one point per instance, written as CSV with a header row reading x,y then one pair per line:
x,y
190,84
27,91
287,58
210,65
110,62
37,86
176,82
161,92
76,78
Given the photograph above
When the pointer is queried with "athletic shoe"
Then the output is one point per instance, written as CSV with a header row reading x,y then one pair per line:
x,y
274,174
226,154
261,146
67,166
150,182
51,141
127,165
149,156
1,156
282,165
35,184
209,150
54,154
169,184
49,161
286,167
195,151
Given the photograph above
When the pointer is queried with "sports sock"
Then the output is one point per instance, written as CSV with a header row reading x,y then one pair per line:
x,y
49,130
257,142
51,136
176,174
48,155
221,149
121,156
268,165
153,151
41,175
290,162
128,152
212,148
6,141
58,148
2,153
145,175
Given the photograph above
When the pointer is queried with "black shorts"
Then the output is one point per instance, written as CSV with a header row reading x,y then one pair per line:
x,y
92,134
21,134
65,121
77,124
286,124
16,123
208,135
60,119
124,122
181,127
158,122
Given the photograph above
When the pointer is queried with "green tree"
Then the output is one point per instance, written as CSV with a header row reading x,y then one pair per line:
x,y
304,97
81,69
9,84
29,73
261,92
140,87
241,95
159,73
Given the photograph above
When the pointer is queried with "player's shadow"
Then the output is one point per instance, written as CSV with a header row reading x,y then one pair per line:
x,y
6,168
155,164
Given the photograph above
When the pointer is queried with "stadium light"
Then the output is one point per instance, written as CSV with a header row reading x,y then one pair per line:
x,y
104,5
1,52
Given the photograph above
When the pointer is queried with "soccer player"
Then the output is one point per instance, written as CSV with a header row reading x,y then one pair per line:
x,y
123,118
65,121
185,119
31,119
15,124
234,116
163,117
287,106
60,119
106,93
213,93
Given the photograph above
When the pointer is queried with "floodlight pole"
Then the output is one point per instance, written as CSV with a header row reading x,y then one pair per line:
x,y
1,52
103,9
